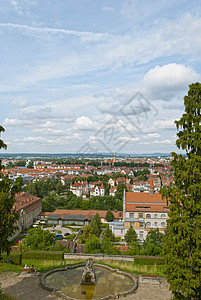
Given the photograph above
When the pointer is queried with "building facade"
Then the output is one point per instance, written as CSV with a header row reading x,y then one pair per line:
x,y
28,207
144,211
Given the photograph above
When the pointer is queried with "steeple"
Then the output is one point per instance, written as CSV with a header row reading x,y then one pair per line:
x,y
114,159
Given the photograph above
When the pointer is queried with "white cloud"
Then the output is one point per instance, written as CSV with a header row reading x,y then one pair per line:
x,y
128,139
153,135
85,35
164,124
17,122
48,131
19,102
162,82
168,142
84,123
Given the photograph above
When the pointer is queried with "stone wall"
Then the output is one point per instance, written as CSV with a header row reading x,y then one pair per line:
x,y
98,257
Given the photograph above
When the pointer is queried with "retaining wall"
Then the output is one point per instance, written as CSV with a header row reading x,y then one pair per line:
x,y
98,257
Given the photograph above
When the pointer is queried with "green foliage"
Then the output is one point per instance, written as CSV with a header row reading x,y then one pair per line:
x,y
53,201
19,183
130,236
8,217
21,163
120,190
109,216
93,245
39,239
148,260
134,250
108,234
85,235
41,188
154,242
107,247
47,255
95,226
182,242
30,164
14,257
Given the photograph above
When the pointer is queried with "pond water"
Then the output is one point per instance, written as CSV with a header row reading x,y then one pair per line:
x,y
108,283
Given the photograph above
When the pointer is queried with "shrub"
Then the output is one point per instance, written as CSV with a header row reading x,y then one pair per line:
x,y
47,255
14,258
148,260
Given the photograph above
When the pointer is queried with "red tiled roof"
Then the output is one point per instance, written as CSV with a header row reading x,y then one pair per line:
x,y
139,202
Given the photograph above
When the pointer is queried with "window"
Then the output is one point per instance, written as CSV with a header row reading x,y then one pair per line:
x,y
148,216
148,225
163,216
141,224
141,235
155,224
143,207
131,215
155,216
163,224
120,214
140,215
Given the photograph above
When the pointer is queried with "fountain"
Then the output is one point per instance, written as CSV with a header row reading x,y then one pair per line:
x,y
89,276
89,281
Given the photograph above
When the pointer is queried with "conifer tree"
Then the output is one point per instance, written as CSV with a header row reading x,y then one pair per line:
x,y
109,216
8,217
182,242
95,226
130,236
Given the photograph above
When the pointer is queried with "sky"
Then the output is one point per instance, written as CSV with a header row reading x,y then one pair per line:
x,y
91,76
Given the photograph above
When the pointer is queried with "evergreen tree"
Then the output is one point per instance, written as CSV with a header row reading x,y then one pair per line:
x,y
109,216
95,225
182,243
131,235
8,217
108,234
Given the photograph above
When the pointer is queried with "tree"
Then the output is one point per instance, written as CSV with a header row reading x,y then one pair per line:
x,y
93,245
108,234
109,216
8,217
19,181
182,242
95,226
30,164
39,239
154,242
120,190
130,236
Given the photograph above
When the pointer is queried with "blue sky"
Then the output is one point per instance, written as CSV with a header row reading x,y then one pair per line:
x,y
96,76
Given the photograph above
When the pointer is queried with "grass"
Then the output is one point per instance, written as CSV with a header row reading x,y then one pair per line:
x,y
6,297
45,265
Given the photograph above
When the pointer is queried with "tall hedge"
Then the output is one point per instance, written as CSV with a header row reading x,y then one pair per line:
x,y
55,255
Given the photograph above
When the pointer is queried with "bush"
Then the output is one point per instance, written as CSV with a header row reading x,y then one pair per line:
x,y
70,237
14,258
148,260
47,255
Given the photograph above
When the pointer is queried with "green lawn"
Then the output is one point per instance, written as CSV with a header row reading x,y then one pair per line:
x,y
45,265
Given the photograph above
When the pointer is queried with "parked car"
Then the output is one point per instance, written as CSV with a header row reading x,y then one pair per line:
x,y
58,236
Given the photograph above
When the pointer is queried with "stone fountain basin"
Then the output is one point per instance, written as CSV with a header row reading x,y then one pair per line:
x,y
111,283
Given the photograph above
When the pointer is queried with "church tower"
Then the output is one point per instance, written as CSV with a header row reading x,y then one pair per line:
x,y
114,159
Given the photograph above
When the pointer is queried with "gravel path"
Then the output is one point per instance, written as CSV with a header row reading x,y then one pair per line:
x,y
29,288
